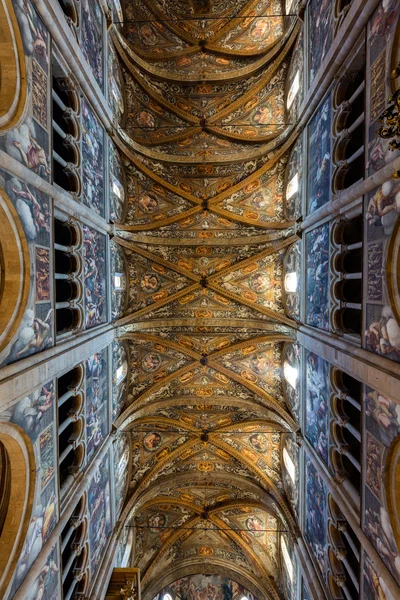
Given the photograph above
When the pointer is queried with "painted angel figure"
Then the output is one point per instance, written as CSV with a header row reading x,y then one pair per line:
x,y
34,157
32,216
38,335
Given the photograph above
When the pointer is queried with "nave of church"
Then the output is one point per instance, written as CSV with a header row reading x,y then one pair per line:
x,y
200,300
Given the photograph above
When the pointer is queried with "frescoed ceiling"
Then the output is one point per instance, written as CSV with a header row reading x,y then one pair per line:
x,y
207,139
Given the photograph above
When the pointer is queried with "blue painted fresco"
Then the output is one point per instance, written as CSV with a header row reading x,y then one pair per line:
x,y
99,514
92,37
319,153
96,401
317,304
321,32
35,332
94,273
316,515
318,392
92,160
35,414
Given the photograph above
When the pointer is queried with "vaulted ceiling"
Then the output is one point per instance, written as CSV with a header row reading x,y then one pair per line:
x,y
206,237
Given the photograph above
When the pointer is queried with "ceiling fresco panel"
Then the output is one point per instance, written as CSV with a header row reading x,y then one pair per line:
x,y
209,157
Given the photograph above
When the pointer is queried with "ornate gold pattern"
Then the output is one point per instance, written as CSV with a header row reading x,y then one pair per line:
x,y
205,237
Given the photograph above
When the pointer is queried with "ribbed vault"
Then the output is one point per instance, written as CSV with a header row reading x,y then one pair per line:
x,y
205,240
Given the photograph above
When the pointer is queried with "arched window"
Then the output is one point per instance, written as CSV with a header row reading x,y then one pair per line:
x,y
119,295
344,556
287,560
67,237
70,9
291,377
291,281
117,183
293,182
66,132
342,7
74,551
348,125
120,378
346,432
70,399
347,236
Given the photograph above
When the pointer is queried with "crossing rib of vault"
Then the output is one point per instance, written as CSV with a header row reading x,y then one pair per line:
x,y
207,138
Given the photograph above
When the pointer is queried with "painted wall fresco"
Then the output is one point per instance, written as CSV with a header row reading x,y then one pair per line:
x,y
320,32
290,471
291,374
375,587
47,586
99,514
382,427
294,181
94,273
119,297
35,414
318,392
92,160
381,37
319,153
121,449
92,37
295,80
382,332
29,142
317,303
96,401
316,515
205,586
117,193
119,377
34,210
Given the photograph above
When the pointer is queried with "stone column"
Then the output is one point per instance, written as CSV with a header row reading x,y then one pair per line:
x,y
18,379
308,571
376,371
345,199
54,19
62,199
107,565
354,23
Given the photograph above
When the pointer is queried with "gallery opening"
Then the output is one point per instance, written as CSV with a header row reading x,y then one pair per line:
x,y
199,299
